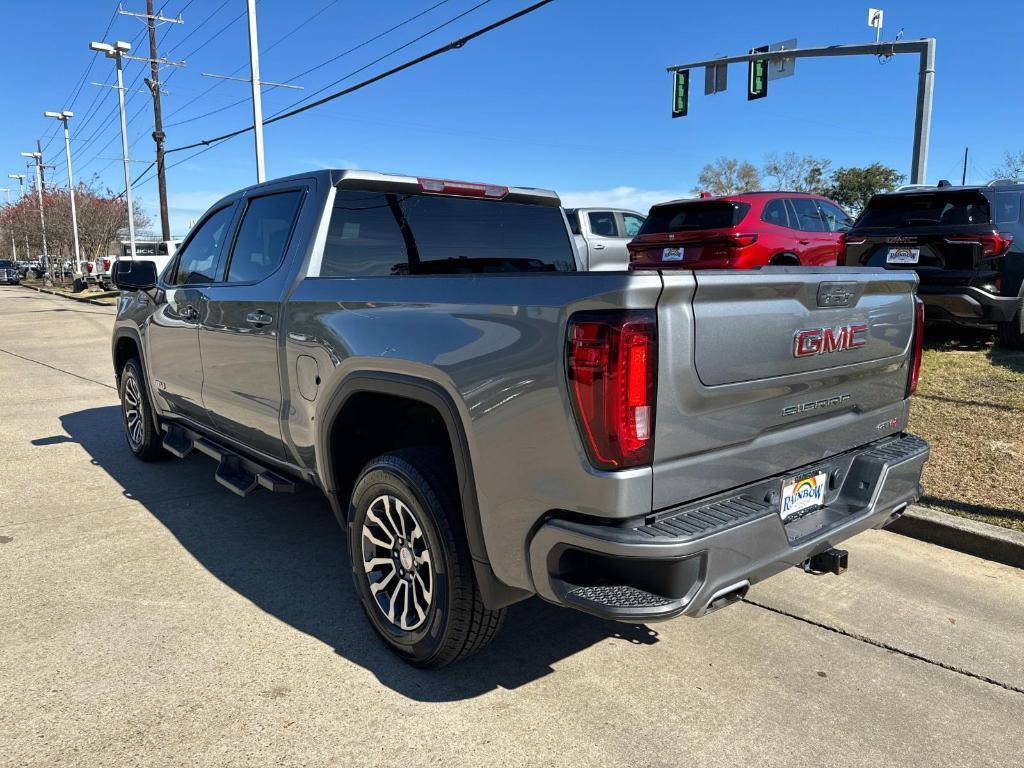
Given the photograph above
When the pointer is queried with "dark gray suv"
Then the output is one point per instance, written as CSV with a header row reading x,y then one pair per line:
x,y
965,243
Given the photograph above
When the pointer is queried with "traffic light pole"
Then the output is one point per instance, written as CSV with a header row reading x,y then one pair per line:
x,y
924,48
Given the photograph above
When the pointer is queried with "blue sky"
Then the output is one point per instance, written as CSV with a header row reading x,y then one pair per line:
x,y
574,97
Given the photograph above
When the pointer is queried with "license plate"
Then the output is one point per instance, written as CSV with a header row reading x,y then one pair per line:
x,y
803,493
673,254
903,256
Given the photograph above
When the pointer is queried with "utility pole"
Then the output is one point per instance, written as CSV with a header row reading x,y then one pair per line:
x,y
153,82
257,98
21,196
63,117
257,94
38,157
963,178
42,168
924,48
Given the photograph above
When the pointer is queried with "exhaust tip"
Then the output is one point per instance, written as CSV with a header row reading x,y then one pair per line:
x,y
727,596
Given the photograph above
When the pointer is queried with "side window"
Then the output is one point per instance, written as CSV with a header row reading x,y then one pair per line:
x,y
775,213
602,224
574,220
807,217
835,219
631,223
198,260
263,236
363,239
1008,207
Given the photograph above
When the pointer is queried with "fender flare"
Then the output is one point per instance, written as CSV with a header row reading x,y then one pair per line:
x,y
127,332
496,594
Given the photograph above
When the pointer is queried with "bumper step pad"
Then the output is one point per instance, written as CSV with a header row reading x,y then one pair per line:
x,y
616,596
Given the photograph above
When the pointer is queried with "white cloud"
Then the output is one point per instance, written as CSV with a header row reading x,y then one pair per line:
x,y
620,197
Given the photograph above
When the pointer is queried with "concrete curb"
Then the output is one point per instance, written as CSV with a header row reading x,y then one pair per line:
x,y
80,299
991,542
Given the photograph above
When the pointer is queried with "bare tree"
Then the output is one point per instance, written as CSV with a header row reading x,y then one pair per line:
x,y
798,173
101,217
1012,167
727,176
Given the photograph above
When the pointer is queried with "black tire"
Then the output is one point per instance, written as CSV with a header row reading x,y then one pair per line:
x,y
137,414
1011,334
447,623
785,260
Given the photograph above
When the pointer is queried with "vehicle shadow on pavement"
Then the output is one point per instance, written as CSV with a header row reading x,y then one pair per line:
x,y
287,555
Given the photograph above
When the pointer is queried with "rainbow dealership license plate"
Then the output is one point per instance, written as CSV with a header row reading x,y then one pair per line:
x,y
673,254
803,493
903,256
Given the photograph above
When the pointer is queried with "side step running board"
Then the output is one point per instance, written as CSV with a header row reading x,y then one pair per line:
x,y
235,472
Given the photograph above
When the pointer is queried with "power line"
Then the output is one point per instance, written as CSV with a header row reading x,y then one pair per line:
x,y
452,46
355,48
219,83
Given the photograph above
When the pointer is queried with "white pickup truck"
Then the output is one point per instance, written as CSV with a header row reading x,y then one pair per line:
x,y
601,235
160,252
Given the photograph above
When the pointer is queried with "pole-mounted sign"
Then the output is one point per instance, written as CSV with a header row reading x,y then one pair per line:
x,y
757,75
680,92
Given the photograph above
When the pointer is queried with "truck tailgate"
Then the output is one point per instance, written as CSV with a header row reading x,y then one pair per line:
x,y
768,370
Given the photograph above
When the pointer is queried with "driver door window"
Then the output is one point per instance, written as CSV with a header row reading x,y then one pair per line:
x,y
198,262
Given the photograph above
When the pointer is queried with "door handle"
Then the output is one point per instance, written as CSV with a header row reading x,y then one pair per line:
x,y
803,242
598,247
259,318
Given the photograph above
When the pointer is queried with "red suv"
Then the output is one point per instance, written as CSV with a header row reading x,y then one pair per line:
x,y
740,232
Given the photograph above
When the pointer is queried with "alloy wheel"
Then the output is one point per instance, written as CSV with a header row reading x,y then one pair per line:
x,y
132,405
397,562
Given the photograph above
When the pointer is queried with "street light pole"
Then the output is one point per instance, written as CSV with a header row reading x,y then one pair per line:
x,y
257,99
14,248
38,157
63,117
114,52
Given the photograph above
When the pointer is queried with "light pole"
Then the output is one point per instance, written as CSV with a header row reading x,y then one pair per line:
x,y
14,248
21,186
63,117
114,52
257,99
38,157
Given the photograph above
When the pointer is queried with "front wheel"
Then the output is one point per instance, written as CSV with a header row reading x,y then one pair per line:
x,y
137,414
411,562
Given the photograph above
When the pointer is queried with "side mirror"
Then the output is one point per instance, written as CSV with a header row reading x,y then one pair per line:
x,y
134,275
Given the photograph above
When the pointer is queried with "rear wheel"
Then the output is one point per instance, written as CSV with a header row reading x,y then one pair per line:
x,y
1011,334
411,563
785,259
137,414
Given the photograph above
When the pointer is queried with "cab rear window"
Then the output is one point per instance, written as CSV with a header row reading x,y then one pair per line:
x,y
935,209
696,215
378,233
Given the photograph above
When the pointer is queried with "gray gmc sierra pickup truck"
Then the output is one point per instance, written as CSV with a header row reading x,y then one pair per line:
x,y
490,423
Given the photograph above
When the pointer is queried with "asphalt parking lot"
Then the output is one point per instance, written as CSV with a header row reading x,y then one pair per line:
x,y
149,617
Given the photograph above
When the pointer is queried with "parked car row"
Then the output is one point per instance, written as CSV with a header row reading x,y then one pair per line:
x,y
965,243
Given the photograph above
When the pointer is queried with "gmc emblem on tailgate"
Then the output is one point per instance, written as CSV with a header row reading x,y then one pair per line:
x,y
823,341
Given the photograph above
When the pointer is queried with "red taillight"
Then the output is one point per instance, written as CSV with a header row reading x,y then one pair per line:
x,y
106,265
611,361
992,245
918,347
88,267
462,188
